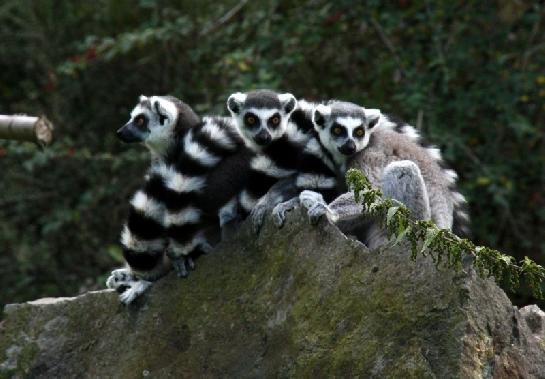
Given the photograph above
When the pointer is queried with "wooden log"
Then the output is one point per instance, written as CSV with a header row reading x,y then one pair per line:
x,y
26,128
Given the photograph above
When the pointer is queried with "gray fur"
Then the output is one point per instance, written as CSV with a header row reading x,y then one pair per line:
x,y
262,99
389,146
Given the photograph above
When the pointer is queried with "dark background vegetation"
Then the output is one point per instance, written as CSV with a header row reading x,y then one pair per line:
x,y
469,74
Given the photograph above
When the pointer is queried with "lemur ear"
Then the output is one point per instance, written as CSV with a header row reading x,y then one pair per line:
x,y
319,115
235,102
288,101
160,111
373,117
142,98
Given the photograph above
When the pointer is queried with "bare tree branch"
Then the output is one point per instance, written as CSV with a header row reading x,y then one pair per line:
x,y
224,19
386,41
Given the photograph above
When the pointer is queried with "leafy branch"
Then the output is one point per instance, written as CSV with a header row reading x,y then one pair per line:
x,y
442,245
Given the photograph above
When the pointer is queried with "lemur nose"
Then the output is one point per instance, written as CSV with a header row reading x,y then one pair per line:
x,y
263,137
126,135
348,148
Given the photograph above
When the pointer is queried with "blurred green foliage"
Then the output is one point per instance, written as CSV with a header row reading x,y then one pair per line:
x,y
469,74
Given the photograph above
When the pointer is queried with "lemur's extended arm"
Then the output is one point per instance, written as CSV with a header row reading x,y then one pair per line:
x,y
312,174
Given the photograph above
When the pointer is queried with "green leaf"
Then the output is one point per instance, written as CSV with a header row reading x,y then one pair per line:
x,y
431,233
391,213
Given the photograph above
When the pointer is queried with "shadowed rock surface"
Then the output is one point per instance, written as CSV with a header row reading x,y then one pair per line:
x,y
300,302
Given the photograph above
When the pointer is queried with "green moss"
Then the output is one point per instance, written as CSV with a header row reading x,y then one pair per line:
x,y
443,246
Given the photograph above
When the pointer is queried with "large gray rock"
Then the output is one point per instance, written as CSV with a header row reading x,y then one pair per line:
x,y
301,302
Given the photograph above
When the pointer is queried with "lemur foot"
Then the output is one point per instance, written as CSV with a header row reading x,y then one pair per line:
x,y
137,289
182,265
279,211
120,279
129,286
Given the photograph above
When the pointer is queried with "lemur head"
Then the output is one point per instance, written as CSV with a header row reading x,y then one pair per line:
x,y
261,116
155,121
344,128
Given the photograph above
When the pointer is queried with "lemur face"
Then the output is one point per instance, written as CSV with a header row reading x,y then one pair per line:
x,y
261,116
152,122
344,128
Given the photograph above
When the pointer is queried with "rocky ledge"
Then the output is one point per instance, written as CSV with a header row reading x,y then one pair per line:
x,y
303,301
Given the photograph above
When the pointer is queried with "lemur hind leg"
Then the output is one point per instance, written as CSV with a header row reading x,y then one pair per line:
x,y
403,181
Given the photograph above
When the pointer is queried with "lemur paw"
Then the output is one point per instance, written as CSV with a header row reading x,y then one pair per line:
x,y
205,247
257,215
279,211
120,279
317,212
182,265
310,198
129,286
136,289
315,204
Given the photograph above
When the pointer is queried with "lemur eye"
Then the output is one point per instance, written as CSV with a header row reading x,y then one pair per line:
x,y
337,130
360,132
275,120
251,120
140,121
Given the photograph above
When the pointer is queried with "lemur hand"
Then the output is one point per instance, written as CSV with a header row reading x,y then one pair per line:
x,y
315,204
182,265
279,211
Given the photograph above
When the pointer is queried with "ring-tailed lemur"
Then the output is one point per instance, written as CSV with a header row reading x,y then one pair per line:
x,y
393,159
276,128
197,166
322,160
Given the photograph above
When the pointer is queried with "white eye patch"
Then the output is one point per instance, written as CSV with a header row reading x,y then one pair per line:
x,y
263,114
349,122
140,110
